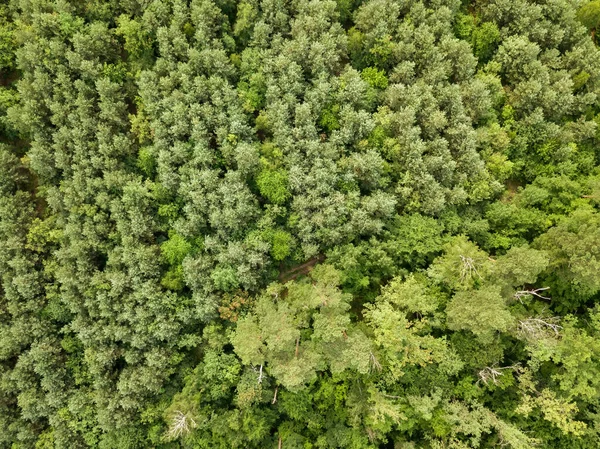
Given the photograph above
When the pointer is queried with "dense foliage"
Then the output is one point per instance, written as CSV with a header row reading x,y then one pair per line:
x,y
299,224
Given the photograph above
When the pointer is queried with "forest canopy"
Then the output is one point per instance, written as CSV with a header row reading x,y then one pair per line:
x,y
299,224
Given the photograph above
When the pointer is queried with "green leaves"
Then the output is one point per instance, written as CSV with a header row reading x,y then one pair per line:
x,y
462,267
175,249
376,78
138,40
589,15
411,295
573,246
484,37
520,265
273,185
163,164
291,330
482,312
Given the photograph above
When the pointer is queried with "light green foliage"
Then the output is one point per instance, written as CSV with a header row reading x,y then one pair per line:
x,y
137,40
463,265
273,185
464,26
520,266
225,278
482,312
175,249
410,295
413,242
281,242
300,329
329,120
399,341
173,279
375,78
146,162
485,38
42,235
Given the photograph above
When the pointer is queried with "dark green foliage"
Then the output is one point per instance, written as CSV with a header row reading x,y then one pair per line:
x,y
484,37
7,39
589,15
307,224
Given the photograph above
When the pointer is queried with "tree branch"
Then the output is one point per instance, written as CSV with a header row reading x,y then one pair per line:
x,y
536,292
260,374
539,327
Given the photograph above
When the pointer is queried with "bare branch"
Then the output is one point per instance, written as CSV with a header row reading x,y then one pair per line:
x,y
536,292
468,268
375,365
180,424
275,396
391,396
536,328
491,374
260,374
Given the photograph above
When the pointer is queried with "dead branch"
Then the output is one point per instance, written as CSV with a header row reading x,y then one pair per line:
x,y
536,292
491,374
180,424
468,268
260,374
391,396
536,328
275,396
375,365
371,434
300,270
